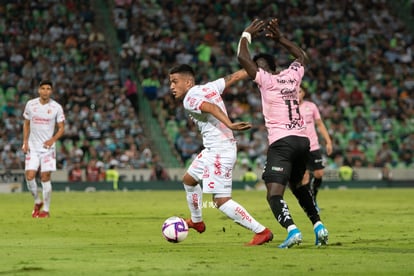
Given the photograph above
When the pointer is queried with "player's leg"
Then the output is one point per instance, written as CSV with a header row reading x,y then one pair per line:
x,y
306,200
194,196
316,161
302,192
47,166
241,216
45,179
32,163
194,193
317,181
276,176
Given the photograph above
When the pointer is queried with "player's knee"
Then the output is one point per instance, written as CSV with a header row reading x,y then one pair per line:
x,y
30,175
318,173
44,177
220,199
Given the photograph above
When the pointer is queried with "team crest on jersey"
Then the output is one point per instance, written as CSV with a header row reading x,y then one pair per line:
x,y
49,111
192,102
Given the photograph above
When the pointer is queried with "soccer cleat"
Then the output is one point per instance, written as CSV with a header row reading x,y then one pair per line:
x,y
43,214
294,237
200,227
321,234
262,237
36,209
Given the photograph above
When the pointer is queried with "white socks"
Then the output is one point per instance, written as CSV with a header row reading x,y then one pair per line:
x,y
231,208
194,201
32,187
235,211
47,195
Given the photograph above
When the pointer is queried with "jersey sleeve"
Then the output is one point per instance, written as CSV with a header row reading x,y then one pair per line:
x,y
194,99
297,69
261,78
26,112
315,112
202,93
218,85
60,115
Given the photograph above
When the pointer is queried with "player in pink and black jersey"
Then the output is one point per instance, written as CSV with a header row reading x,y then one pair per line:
x,y
288,142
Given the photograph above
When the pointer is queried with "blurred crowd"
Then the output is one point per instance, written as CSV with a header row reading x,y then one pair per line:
x,y
61,41
361,75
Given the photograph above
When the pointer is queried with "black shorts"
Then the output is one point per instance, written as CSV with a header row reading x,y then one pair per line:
x,y
315,161
286,160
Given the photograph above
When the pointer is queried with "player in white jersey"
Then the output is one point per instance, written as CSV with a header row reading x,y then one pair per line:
x,y
41,116
213,167
288,141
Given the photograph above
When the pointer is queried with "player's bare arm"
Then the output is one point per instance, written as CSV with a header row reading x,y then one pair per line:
x,y
59,133
216,111
236,76
243,54
274,33
26,132
325,134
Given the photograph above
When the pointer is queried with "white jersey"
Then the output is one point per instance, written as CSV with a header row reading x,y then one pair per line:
x,y
215,133
43,119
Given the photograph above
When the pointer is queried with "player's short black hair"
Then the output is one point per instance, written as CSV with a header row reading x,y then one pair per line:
x,y
270,60
46,82
183,69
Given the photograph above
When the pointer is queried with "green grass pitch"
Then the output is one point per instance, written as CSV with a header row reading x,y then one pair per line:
x,y
119,233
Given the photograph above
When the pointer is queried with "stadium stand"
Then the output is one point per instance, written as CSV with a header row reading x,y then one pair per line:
x,y
63,41
362,45
361,61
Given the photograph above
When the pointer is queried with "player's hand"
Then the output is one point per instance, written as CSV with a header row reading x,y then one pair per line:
x,y
328,149
25,148
48,144
240,126
272,30
256,27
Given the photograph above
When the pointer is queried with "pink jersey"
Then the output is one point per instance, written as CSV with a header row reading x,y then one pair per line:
x,y
280,102
43,118
215,133
310,113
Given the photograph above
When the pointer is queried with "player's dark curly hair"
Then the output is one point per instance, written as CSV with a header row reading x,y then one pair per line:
x,y
270,60
183,69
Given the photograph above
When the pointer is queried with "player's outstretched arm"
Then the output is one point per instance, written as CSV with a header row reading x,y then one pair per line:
x,y
235,77
274,33
325,134
216,111
243,54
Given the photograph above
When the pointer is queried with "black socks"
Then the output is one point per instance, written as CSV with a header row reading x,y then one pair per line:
x,y
306,201
280,210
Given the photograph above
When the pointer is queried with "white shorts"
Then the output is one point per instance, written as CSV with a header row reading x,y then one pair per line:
x,y
46,159
214,168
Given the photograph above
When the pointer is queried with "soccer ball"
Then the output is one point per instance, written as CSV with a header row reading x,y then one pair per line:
x,y
175,229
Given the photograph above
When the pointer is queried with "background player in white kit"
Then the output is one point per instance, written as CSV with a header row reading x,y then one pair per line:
x,y
41,116
214,165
